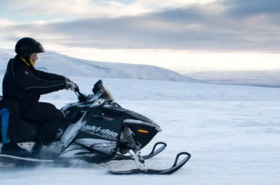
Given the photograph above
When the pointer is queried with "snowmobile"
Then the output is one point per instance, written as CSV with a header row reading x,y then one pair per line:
x,y
101,131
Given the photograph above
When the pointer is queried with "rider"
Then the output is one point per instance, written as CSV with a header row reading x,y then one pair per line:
x,y
23,83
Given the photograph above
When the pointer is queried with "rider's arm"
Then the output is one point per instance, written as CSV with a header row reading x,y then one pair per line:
x,y
29,82
49,76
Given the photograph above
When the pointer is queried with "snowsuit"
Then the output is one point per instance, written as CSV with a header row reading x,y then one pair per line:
x,y
23,83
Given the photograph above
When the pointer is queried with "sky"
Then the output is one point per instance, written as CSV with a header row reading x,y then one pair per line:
x,y
175,34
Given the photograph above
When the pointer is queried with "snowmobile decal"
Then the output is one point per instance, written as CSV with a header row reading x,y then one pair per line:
x,y
99,131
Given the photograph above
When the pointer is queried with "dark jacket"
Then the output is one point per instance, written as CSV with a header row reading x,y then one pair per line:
x,y
25,84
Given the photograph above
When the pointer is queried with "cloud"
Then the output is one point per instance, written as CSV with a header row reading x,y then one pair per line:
x,y
214,27
93,8
6,22
74,9
240,8
33,7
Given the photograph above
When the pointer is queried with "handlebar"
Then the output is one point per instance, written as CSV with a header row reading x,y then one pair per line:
x,y
81,97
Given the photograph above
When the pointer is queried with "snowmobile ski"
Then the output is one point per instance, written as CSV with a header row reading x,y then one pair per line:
x,y
29,159
15,161
7,160
4,156
157,149
176,166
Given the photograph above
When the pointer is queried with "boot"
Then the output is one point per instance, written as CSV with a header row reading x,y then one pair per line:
x,y
14,149
41,151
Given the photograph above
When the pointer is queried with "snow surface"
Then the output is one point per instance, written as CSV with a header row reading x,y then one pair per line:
x,y
231,131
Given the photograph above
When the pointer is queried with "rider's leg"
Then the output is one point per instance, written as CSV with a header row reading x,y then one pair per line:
x,y
49,119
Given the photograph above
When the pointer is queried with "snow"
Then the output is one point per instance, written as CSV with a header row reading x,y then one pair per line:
x,y
69,66
231,131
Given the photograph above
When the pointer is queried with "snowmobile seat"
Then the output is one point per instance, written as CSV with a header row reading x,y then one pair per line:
x,y
27,132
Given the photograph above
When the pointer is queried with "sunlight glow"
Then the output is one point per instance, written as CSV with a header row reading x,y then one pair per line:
x,y
182,61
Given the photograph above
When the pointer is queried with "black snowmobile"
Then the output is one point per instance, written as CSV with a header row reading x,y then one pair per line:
x,y
101,131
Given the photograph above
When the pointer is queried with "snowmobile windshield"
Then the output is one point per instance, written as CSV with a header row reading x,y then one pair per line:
x,y
107,94
100,88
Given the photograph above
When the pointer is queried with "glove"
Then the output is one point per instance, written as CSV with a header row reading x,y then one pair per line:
x,y
71,85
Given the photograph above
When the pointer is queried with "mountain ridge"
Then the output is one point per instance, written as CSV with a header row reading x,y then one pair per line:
x,y
70,66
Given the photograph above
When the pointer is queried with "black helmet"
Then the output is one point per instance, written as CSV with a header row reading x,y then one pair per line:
x,y
26,46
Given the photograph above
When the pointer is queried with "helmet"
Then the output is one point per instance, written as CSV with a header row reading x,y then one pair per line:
x,y
26,46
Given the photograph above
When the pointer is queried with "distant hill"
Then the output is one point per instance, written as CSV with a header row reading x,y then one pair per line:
x,y
69,66
256,78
